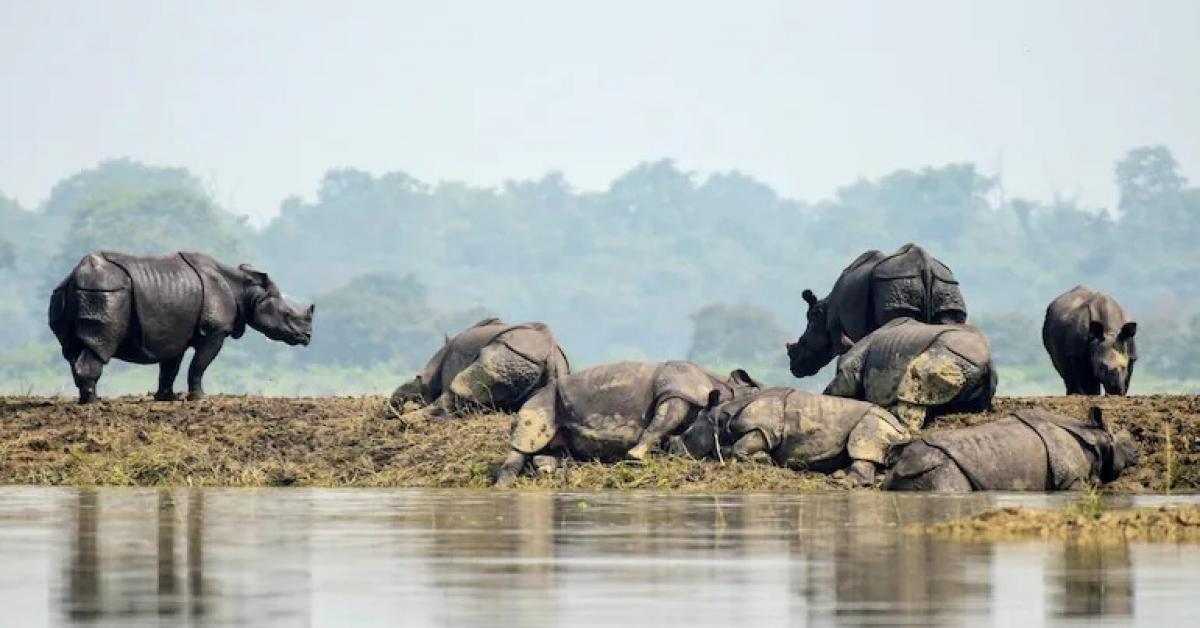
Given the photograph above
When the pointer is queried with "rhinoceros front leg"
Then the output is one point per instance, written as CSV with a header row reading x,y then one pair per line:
x,y
167,370
668,416
511,468
748,445
206,350
86,369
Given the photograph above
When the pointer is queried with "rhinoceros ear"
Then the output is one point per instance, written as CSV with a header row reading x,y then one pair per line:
x,y
1128,330
1096,330
714,399
312,309
742,378
258,277
1096,415
809,297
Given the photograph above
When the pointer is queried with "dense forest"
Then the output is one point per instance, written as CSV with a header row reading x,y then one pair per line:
x,y
662,264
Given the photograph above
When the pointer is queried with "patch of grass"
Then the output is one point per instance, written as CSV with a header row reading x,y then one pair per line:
x,y
1165,524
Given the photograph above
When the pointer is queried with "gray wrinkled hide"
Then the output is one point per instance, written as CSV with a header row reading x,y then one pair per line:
x,y
806,430
1030,450
151,309
941,368
1076,357
600,413
491,364
876,288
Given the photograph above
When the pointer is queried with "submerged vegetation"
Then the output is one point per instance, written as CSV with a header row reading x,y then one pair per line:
x,y
362,441
1164,524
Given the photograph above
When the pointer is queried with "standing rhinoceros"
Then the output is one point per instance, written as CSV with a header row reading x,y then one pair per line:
x,y
872,290
149,310
1089,337
614,411
799,429
1028,450
918,370
491,365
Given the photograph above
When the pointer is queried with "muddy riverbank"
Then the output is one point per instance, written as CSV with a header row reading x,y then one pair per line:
x,y
340,441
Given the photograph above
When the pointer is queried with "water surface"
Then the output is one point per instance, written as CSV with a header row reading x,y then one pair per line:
x,y
298,557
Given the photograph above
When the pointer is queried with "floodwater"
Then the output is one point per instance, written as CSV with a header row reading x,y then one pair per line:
x,y
299,557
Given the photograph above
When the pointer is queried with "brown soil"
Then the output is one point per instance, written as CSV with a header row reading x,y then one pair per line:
x,y
343,441
1141,524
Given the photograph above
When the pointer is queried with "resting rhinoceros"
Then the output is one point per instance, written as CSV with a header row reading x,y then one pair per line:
x,y
1089,337
799,429
1028,450
613,411
151,309
918,370
872,290
489,365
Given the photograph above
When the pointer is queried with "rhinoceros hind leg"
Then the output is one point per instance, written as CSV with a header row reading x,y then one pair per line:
x,y
167,370
86,369
206,350
510,469
861,473
668,416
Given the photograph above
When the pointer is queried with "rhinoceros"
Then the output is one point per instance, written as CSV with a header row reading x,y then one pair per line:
x,y
149,310
613,411
1089,337
799,429
874,289
918,370
489,365
1028,450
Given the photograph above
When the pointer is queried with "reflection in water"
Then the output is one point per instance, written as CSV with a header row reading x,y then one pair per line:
x,y
1095,579
300,557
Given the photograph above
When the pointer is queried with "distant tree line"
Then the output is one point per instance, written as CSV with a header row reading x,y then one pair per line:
x,y
662,264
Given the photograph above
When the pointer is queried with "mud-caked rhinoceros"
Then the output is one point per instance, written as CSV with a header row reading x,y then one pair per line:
x,y
1089,337
613,411
149,310
1028,450
918,371
492,365
799,429
874,289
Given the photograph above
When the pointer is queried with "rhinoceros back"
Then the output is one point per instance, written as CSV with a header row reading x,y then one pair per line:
x,y
816,429
912,283
888,353
604,409
92,307
167,300
1002,454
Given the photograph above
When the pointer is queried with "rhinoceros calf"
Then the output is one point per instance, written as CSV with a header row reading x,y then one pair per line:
x,y
799,429
613,411
918,370
874,289
489,365
1029,450
1089,337
149,310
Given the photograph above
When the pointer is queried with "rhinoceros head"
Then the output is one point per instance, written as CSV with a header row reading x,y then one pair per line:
x,y
815,348
1112,355
272,315
1118,450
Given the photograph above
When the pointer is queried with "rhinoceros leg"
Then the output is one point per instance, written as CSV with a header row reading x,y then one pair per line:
x,y
86,369
511,468
749,444
668,416
167,370
206,350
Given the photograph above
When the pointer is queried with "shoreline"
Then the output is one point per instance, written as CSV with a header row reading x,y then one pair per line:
x,y
352,442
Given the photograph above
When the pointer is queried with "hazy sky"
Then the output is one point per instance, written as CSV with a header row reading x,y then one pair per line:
x,y
260,98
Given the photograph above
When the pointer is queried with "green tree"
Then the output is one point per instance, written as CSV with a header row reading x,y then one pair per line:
x,y
152,223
